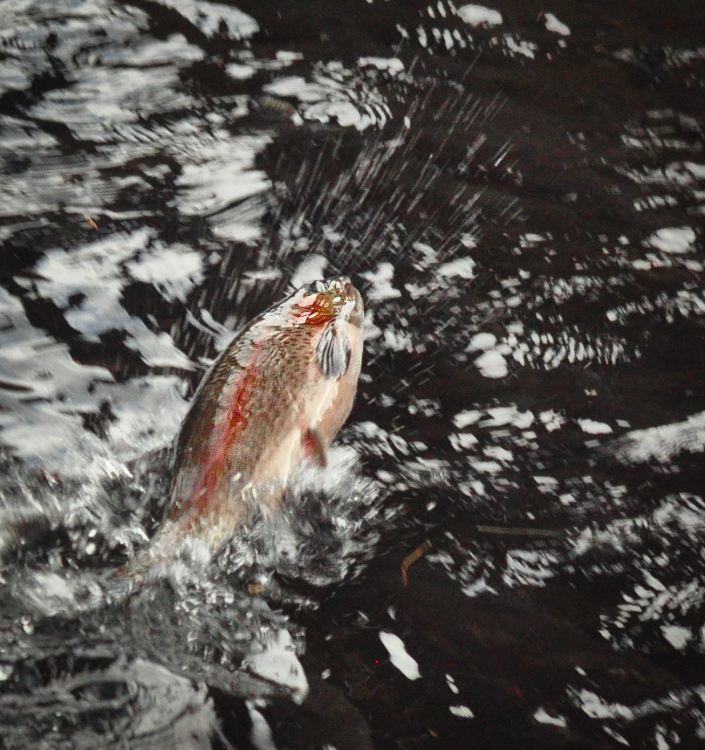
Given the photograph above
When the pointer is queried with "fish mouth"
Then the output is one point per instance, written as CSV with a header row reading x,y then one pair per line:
x,y
332,298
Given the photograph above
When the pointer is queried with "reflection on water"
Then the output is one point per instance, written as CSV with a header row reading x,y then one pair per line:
x,y
519,194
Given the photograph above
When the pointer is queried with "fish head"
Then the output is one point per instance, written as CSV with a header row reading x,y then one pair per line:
x,y
322,301
334,309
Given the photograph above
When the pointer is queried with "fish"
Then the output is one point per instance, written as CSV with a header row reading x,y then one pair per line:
x,y
275,398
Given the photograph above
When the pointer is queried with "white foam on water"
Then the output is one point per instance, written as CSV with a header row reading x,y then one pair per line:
x,y
548,350
464,418
673,240
529,567
69,593
508,415
50,391
428,256
463,268
596,708
26,26
381,281
663,442
424,472
398,655
462,441
687,513
239,72
451,684
148,412
334,93
13,76
288,57
532,238
310,269
47,184
552,420
546,484
288,86
44,436
482,342
35,366
677,515
697,170
168,702
556,26
396,340
222,174
44,389
345,113
146,51
241,222
545,718
174,270
486,467
479,15
478,587
392,65
616,736
96,272
102,97
594,428
492,364
521,47
642,265
157,349
111,90
655,600
208,17
677,636
278,663
685,302
682,179
500,454
676,173
261,733
23,135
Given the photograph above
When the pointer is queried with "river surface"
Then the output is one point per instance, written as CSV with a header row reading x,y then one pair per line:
x,y
506,549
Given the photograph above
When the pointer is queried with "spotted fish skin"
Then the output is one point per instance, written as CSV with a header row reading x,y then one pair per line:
x,y
276,396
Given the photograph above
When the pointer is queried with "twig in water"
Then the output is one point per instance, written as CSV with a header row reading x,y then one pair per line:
x,y
522,531
409,560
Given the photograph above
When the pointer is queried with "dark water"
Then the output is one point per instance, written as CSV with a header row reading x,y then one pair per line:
x,y
522,208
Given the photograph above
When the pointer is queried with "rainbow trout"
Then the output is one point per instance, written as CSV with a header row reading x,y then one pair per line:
x,y
276,396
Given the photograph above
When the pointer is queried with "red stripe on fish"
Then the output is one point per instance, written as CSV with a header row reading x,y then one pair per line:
x,y
230,425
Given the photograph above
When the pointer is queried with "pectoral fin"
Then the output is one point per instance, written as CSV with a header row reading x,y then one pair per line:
x,y
314,448
333,352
